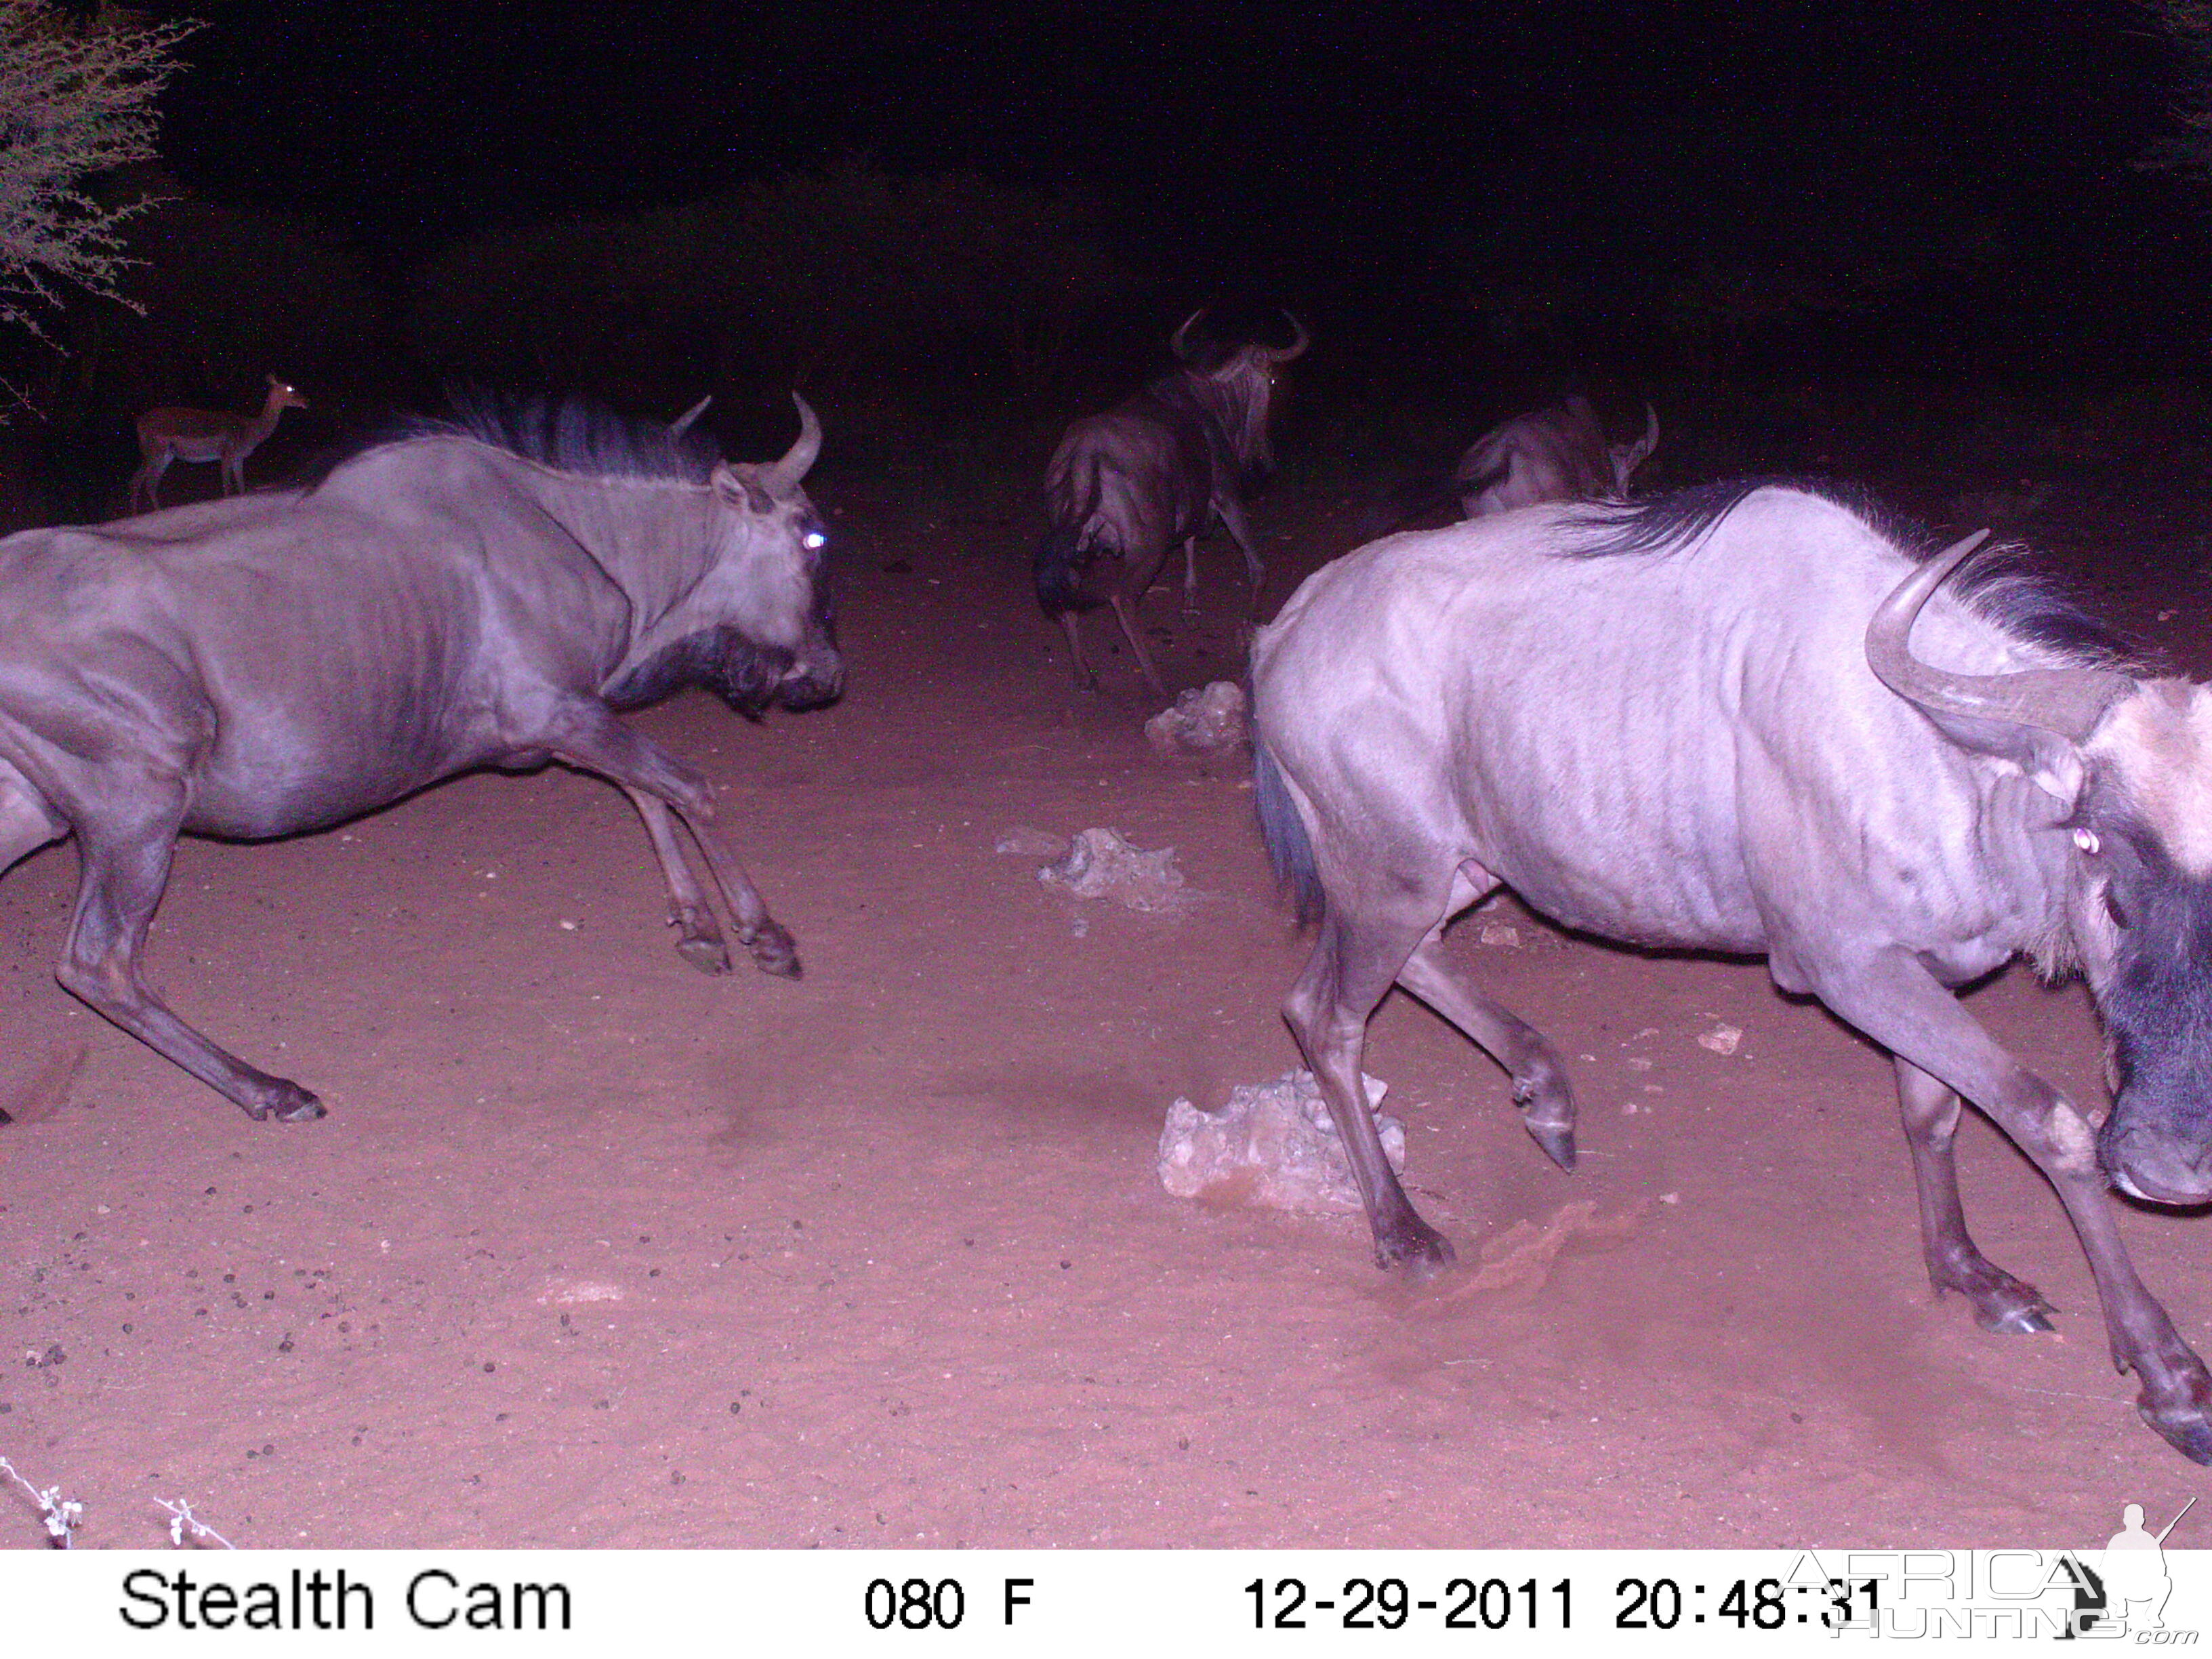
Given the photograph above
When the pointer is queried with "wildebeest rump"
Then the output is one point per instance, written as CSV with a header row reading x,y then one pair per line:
x,y
1556,454
481,595
1711,722
1124,487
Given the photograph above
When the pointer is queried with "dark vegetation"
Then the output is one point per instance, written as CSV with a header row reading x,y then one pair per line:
x,y
1947,254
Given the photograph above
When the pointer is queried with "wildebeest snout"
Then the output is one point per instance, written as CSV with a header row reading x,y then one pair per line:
x,y
2155,1165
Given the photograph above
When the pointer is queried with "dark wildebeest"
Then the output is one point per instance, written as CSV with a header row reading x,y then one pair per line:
x,y
465,597
1125,486
1709,722
1556,454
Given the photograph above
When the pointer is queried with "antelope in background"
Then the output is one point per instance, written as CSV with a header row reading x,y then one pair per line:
x,y
206,434
1125,486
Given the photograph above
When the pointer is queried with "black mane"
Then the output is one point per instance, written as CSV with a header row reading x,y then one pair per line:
x,y
2001,585
573,433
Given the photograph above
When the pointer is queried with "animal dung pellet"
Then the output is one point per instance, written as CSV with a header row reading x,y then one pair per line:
x,y
1103,865
1722,1039
1212,721
1273,1145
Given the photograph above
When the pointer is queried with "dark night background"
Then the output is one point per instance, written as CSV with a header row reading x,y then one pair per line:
x,y
1813,234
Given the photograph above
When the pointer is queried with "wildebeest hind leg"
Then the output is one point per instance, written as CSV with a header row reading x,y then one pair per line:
x,y
588,734
702,944
1353,963
1123,615
125,872
1086,676
2001,1302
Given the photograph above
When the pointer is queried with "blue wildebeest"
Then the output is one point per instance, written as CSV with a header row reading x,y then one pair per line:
x,y
1124,487
1556,454
1743,719
488,594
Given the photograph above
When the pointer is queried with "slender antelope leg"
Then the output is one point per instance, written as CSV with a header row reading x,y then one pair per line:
x,y
2001,1303
1190,575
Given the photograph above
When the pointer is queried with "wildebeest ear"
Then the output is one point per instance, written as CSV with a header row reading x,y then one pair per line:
x,y
2051,762
736,489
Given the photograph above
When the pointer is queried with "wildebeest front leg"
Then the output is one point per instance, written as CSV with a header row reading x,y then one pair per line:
x,y
1894,1000
1540,1078
1190,575
2001,1302
588,735
126,869
1352,965
702,944
1230,511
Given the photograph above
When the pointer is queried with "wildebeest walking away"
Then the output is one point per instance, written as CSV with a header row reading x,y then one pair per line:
x,y
1710,722
483,595
1124,487
1557,454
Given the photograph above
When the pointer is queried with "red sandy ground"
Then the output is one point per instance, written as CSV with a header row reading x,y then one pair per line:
x,y
596,1251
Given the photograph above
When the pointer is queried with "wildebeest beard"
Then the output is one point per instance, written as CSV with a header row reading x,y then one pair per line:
x,y
746,676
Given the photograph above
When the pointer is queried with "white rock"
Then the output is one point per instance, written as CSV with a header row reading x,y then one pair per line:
x,y
1208,722
1722,1039
1273,1145
1102,864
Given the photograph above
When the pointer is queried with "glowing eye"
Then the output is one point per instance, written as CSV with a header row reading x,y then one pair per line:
x,y
812,538
2085,840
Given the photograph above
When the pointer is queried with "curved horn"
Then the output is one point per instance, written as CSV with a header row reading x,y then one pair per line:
x,y
1650,427
783,475
682,422
1296,348
2068,702
1179,343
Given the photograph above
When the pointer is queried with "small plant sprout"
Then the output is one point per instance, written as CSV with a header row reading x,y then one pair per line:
x,y
61,1514
183,1520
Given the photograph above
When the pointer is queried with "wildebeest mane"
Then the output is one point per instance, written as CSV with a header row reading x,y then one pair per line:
x,y
573,433
2001,585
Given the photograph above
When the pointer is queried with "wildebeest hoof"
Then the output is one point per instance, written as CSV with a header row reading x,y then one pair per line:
x,y
709,955
1420,1251
2006,1305
1558,1140
2184,1424
288,1103
774,952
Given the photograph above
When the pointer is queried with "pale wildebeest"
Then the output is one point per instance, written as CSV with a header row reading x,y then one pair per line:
x,y
488,594
205,435
1556,454
1124,487
1749,718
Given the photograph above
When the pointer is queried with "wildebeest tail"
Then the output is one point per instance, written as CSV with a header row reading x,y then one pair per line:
x,y
1061,559
1288,848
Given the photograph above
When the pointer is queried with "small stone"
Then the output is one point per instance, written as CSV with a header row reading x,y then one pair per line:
x,y
1722,1039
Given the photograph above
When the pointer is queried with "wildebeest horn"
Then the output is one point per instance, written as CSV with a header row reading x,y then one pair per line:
x,y
1297,347
2069,702
1650,427
682,425
1179,343
786,473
